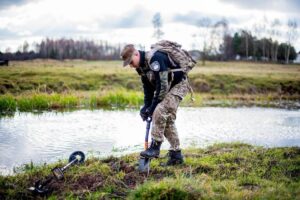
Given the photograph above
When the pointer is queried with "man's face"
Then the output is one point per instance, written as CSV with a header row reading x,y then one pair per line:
x,y
135,62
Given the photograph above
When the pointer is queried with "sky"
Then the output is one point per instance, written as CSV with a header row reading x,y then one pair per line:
x,y
130,21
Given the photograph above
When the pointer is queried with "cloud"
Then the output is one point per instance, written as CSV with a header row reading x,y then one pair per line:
x,y
7,34
278,5
8,3
137,17
199,19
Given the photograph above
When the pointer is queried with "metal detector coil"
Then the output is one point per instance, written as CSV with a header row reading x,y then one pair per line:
x,y
76,157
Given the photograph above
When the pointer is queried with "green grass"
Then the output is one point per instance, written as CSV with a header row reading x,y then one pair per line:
x,y
220,171
121,98
43,101
7,103
49,84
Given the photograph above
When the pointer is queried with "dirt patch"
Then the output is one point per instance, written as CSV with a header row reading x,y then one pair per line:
x,y
121,165
133,178
88,181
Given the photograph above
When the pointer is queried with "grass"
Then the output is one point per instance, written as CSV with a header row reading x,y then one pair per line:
x,y
121,98
42,101
50,84
220,171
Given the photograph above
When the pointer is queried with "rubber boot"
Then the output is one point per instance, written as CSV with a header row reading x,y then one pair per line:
x,y
153,151
175,158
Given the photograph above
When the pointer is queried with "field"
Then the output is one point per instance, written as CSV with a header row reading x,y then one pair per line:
x,y
50,84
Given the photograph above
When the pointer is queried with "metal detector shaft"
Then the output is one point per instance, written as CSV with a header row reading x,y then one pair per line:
x,y
68,165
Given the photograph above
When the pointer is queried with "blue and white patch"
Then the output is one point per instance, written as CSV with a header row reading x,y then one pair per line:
x,y
155,66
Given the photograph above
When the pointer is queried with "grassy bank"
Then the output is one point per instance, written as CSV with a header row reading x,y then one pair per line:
x,y
48,84
220,171
28,102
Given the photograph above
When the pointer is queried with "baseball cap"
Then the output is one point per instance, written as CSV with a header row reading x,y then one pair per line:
x,y
126,54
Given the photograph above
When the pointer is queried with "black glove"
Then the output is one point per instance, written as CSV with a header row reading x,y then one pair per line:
x,y
149,112
143,113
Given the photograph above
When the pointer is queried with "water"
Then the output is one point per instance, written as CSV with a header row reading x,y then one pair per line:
x,y
49,136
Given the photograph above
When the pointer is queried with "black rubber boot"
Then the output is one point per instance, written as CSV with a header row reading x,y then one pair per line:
x,y
175,158
153,151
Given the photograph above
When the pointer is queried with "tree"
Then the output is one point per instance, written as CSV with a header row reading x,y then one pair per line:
x,y
282,49
260,32
205,26
291,37
25,47
157,24
263,30
228,47
256,32
218,35
8,50
245,35
236,43
274,34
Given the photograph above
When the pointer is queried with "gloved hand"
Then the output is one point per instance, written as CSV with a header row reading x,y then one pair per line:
x,y
149,112
143,113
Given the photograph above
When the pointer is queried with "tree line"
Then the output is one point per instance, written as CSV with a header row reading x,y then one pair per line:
x,y
259,42
61,49
244,45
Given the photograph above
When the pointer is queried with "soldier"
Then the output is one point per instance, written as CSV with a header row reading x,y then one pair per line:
x,y
163,91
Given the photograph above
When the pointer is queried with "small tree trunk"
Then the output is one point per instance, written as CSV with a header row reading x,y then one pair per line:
x,y
287,54
247,47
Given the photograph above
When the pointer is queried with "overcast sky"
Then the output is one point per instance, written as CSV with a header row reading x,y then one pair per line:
x,y
129,21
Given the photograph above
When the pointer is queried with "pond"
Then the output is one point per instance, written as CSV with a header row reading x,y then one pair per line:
x,y
49,136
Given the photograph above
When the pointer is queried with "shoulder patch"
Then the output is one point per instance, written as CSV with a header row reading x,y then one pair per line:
x,y
155,66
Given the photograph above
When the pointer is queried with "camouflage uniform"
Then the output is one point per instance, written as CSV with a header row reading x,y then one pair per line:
x,y
163,91
163,71
164,115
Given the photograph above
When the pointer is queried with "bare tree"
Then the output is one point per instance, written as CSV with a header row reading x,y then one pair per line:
x,y
8,50
246,34
274,34
260,32
205,26
263,28
257,33
157,24
218,35
291,37
25,47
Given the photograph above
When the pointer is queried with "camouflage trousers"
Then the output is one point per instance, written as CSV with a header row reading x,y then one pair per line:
x,y
164,116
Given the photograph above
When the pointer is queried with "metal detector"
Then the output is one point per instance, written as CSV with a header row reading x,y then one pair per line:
x,y
40,186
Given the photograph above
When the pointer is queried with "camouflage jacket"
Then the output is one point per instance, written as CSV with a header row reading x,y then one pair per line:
x,y
156,78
